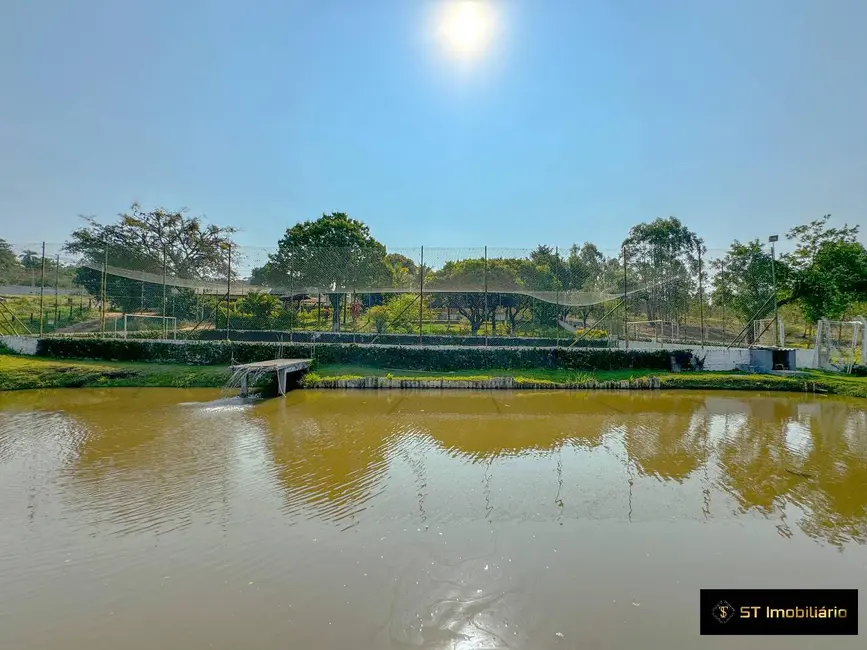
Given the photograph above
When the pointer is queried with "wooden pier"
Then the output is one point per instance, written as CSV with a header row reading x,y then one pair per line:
x,y
281,366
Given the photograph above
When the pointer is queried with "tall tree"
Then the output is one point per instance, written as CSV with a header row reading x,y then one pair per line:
x,y
405,272
334,255
460,285
662,260
590,272
742,279
828,269
835,279
809,238
143,242
30,259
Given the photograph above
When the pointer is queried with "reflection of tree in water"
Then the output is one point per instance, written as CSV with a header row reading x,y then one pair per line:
x,y
331,452
145,461
670,446
754,459
331,458
827,481
835,498
488,437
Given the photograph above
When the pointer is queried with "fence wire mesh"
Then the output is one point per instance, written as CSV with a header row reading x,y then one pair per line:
x,y
566,295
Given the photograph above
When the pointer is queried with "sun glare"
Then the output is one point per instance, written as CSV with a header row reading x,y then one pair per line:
x,y
466,27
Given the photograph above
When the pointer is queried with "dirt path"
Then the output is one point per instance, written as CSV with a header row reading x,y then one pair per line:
x,y
91,325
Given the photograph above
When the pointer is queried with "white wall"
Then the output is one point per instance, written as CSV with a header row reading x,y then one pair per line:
x,y
804,357
715,358
720,358
20,344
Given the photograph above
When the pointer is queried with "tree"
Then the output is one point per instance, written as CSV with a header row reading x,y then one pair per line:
x,y
450,284
591,272
10,267
742,279
835,279
828,269
662,259
810,237
379,315
505,279
262,306
30,259
402,312
402,266
144,243
333,255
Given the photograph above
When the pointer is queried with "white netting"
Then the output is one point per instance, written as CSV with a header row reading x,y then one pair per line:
x,y
646,330
137,325
839,344
764,333
318,278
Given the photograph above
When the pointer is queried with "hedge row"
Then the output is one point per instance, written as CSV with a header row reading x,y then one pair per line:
x,y
403,358
275,336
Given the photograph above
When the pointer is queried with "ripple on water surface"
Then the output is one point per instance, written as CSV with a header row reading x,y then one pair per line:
x,y
177,519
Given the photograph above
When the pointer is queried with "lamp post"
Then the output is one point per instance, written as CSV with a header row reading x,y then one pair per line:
x,y
773,239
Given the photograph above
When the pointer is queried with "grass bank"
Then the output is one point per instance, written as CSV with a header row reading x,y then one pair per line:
x,y
326,376
22,372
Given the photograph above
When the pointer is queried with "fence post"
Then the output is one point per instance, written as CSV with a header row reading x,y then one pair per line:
x,y
56,290
292,294
863,340
557,296
625,306
104,289
354,296
485,318
228,290
700,295
725,291
42,290
421,298
165,270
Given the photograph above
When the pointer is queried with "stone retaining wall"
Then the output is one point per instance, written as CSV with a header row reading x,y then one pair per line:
x,y
494,383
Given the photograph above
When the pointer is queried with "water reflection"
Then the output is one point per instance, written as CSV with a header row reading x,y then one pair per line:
x,y
328,454
137,461
335,452
392,520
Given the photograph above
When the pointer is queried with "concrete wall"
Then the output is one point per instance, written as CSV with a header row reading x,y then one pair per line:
x,y
762,360
720,358
20,344
804,357
715,358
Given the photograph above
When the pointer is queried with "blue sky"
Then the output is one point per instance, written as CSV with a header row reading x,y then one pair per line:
x,y
741,117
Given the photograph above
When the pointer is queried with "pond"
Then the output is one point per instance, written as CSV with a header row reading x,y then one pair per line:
x,y
151,518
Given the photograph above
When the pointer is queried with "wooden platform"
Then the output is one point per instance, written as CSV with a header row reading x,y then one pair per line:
x,y
280,366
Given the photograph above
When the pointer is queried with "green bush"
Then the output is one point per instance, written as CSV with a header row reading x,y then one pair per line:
x,y
396,357
859,371
379,318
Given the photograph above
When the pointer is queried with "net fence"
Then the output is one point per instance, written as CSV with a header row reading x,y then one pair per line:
x,y
555,295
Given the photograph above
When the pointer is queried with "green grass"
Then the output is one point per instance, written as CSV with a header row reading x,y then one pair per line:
x,y
21,372
337,371
814,380
21,313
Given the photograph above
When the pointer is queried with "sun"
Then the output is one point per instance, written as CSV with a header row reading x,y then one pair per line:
x,y
466,27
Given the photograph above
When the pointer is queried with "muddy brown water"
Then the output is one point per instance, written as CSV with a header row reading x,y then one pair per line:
x,y
177,519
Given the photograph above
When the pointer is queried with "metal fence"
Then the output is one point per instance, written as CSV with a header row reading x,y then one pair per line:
x,y
551,295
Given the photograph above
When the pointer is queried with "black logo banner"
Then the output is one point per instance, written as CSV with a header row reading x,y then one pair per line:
x,y
779,611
